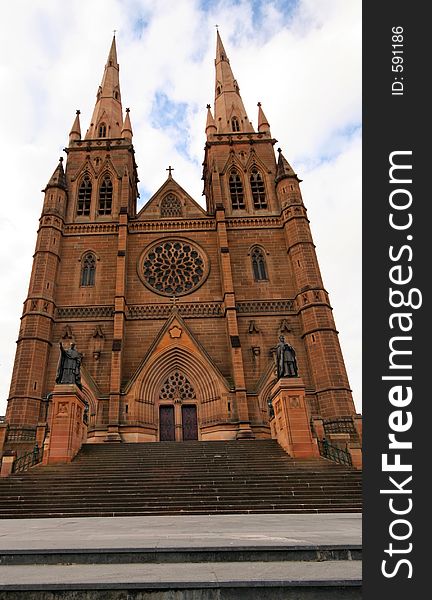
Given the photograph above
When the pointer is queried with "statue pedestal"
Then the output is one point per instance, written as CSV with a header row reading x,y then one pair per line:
x,y
290,424
67,429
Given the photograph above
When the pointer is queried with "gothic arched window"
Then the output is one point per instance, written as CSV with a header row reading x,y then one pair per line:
x,y
235,125
102,130
84,197
258,189
259,264
236,190
88,269
105,196
170,206
177,387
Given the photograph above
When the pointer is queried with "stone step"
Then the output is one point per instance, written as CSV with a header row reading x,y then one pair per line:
x,y
265,494
62,511
189,478
237,553
255,580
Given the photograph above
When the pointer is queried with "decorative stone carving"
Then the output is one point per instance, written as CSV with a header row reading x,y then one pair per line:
x,y
67,333
253,327
294,401
159,311
284,326
265,306
175,332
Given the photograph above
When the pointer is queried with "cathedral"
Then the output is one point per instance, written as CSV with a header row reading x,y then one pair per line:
x,y
176,311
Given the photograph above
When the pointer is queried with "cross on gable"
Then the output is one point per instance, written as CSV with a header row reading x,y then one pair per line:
x,y
174,300
170,168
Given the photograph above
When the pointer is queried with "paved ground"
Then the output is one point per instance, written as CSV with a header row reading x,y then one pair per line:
x,y
188,531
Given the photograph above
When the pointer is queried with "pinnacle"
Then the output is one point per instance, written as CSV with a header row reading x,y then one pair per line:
x,y
58,178
284,169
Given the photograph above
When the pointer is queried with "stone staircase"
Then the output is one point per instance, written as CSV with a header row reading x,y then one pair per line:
x,y
187,557
169,478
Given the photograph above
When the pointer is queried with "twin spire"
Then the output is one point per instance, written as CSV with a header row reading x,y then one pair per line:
x,y
230,113
107,120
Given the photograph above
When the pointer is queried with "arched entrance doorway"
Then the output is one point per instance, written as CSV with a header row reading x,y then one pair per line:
x,y
178,412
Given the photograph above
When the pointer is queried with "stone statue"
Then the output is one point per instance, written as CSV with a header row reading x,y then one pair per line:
x,y
69,365
286,359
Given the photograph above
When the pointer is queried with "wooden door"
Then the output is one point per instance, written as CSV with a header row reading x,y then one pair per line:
x,y
189,422
166,424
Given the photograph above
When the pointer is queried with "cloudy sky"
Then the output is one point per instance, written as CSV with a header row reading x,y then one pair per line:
x,y
300,58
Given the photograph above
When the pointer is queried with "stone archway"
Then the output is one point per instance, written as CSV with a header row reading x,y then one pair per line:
x,y
204,391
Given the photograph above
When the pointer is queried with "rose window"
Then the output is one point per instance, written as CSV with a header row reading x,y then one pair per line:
x,y
177,387
173,267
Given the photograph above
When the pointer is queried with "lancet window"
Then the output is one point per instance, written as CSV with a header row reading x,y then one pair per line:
x,y
105,196
259,267
235,125
84,197
236,190
88,270
258,189
177,388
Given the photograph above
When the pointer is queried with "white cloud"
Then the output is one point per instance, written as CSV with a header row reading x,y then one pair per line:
x,y
304,67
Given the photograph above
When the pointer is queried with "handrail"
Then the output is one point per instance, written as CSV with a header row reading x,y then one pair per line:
x,y
27,460
338,455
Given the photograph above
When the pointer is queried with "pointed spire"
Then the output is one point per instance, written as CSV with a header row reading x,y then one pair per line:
x,y
263,124
210,124
107,116
58,178
75,132
230,113
112,56
284,169
127,127
220,50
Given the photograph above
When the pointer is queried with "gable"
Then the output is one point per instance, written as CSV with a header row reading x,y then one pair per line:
x,y
175,345
172,201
